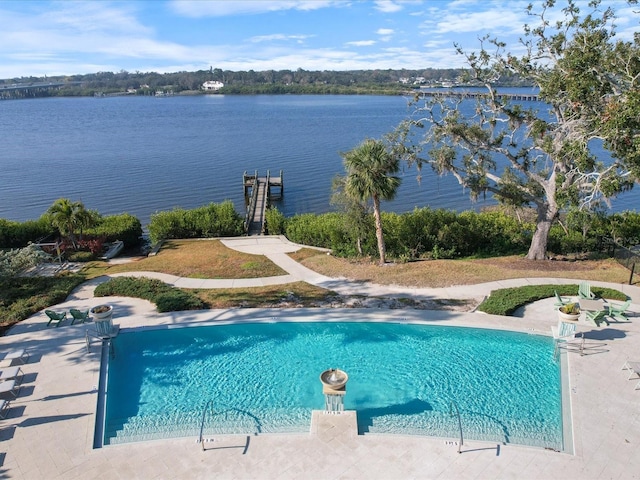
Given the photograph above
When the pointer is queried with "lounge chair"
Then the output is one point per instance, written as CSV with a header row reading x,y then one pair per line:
x,y
78,315
617,311
20,354
584,291
10,386
12,373
634,369
564,331
560,301
55,317
597,316
4,408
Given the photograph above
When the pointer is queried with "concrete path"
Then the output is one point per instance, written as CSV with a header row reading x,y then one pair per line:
x,y
276,248
49,429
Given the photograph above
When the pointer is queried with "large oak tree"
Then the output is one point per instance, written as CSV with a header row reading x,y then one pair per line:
x,y
544,154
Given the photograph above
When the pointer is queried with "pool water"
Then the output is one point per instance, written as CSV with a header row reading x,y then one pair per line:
x,y
264,378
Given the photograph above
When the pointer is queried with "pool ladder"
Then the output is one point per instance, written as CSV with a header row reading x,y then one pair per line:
x,y
204,416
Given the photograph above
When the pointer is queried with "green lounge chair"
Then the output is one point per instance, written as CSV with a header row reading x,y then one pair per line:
x,y
55,317
597,317
584,290
560,302
616,311
78,315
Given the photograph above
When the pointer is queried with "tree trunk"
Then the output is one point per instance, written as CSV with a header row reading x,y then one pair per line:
x,y
379,236
538,248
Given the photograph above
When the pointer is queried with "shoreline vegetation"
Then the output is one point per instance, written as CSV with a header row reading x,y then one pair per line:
x,y
270,82
201,259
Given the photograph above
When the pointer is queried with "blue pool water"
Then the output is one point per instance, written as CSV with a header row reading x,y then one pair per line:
x,y
264,378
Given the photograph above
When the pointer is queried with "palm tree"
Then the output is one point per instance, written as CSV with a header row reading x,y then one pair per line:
x,y
68,216
370,168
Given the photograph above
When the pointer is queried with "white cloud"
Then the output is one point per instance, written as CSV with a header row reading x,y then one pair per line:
x,y
489,21
387,6
278,37
362,43
384,31
216,8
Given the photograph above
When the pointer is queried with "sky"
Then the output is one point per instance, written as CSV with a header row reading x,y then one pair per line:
x,y
66,37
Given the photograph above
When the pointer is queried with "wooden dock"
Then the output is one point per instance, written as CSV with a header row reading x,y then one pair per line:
x,y
258,194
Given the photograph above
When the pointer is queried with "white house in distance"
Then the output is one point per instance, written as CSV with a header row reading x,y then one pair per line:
x,y
215,86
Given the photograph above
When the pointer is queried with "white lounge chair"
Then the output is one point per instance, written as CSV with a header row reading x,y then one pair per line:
x,y
20,355
12,373
10,386
634,369
4,408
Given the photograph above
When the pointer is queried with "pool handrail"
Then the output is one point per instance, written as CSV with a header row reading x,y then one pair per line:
x,y
454,404
204,414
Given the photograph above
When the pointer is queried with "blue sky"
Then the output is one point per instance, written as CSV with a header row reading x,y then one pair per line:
x,y
76,37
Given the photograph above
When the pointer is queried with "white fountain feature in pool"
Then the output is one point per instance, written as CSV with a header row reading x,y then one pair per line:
x,y
334,388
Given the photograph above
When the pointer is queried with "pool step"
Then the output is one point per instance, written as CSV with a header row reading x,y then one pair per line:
x,y
329,425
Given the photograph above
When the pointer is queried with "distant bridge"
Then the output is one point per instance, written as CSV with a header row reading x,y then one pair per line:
x,y
258,192
446,93
7,90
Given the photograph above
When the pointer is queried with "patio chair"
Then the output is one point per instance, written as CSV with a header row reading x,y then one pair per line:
x,y
634,369
10,386
12,373
4,408
597,317
20,354
617,311
584,290
78,315
55,317
560,301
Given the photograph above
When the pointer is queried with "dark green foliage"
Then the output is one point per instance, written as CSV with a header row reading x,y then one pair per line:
x,y
328,230
21,297
19,234
438,234
166,297
213,220
123,227
506,301
276,221
177,300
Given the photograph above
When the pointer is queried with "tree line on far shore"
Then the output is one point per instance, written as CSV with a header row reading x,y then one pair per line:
x,y
300,81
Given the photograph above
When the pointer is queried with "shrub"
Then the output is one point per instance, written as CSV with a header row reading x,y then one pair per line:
x,y
20,234
506,301
14,261
123,227
166,297
213,220
276,221
21,297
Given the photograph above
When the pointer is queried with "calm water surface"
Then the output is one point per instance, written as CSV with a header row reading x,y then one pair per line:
x,y
146,154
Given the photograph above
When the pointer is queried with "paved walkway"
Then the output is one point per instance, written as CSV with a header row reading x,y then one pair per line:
x,y
50,426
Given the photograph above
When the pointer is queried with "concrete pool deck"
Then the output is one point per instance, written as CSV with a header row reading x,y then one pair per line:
x,y
49,429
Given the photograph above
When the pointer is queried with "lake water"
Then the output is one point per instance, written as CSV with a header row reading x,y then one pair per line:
x,y
145,154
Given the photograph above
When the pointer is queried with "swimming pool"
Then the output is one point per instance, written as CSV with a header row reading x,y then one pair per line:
x,y
263,378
